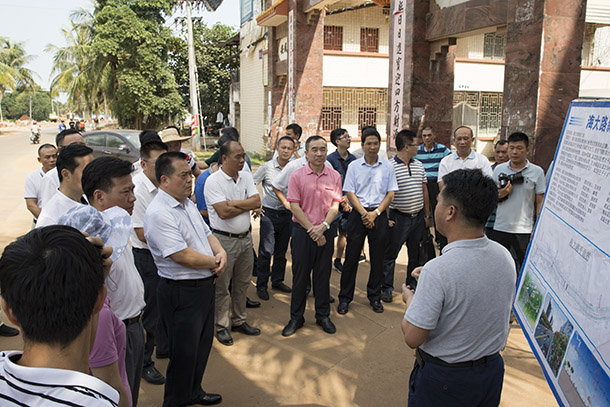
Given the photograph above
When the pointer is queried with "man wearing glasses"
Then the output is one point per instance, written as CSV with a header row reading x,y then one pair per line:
x,y
409,211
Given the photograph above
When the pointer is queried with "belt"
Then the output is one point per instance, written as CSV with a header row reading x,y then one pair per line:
x,y
432,179
229,234
371,209
133,320
422,357
138,250
410,215
200,282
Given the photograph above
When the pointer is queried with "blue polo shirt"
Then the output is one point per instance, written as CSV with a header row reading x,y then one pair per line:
x,y
431,159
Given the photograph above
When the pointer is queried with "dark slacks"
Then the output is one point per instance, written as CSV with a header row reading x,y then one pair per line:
x,y
378,238
514,242
275,230
155,334
308,257
188,315
134,357
433,192
409,230
433,385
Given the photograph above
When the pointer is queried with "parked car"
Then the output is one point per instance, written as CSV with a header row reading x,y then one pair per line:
x,y
123,144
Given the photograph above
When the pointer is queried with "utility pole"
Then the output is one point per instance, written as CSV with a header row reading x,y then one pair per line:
x,y
192,79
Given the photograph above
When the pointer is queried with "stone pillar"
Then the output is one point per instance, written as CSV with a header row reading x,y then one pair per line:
x,y
543,54
428,73
308,65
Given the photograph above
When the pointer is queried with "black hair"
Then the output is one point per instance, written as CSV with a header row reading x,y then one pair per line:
x,y
165,163
51,279
286,138
500,143
152,146
46,145
431,128
225,148
67,157
100,174
59,139
228,133
295,128
369,131
335,134
518,136
313,138
147,133
474,194
403,138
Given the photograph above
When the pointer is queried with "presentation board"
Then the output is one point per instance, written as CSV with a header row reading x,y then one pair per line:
x,y
563,294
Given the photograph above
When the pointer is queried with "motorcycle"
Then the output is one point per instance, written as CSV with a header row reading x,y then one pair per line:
x,y
35,137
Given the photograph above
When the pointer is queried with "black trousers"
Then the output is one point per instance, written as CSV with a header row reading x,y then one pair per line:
x,y
378,239
188,315
275,230
409,231
433,192
155,333
308,257
514,242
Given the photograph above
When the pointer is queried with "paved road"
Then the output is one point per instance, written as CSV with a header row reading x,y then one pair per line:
x,y
365,364
18,160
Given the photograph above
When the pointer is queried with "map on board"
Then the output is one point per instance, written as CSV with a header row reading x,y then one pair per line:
x,y
563,294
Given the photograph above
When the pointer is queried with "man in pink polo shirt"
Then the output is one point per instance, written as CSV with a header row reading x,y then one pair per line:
x,y
314,193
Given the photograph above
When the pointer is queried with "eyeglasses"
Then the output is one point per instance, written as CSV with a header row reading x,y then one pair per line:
x,y
348,137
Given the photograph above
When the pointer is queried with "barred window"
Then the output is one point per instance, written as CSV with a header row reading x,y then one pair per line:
x,y
331,118
369,39
333,37
493,46
367,116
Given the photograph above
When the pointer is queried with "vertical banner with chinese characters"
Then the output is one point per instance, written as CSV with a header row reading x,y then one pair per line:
x,y
563,294
291,96
397,70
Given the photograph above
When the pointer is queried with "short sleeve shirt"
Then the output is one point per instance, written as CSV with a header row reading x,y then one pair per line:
x,y
125,287
370,183
410,177
55,209
516,213
431,159
220,187
266,173
314,193
473,161
171,226
48,187
32,184
145,192
199,186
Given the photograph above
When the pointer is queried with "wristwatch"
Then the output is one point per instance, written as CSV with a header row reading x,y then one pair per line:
x,y
326,225
377,212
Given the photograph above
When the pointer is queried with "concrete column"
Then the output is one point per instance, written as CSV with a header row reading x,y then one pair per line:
x,y
543,54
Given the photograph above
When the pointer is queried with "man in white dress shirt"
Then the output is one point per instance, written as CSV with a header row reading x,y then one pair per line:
x,y
189,259
71,162
47,156
230,195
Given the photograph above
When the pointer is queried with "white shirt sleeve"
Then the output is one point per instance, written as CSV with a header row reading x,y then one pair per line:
x,y
443,167
213,192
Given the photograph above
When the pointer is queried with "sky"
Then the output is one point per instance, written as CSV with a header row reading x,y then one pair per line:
x,y
39,22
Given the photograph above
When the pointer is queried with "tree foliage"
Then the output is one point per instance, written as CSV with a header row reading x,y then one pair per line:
x,y
16,104
13,72
215,65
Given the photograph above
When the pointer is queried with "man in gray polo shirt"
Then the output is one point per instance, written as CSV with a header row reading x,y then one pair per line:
x,y
520,199
458,319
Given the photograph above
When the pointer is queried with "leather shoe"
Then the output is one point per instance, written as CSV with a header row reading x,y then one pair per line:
x,y
281,287
6,330
327,325
343,308
152,375
162,355
386,295
209,399
262,293
332,299
377,306
246,329
252,304
292,327
224,337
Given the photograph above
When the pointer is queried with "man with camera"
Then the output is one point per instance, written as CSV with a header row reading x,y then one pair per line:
x,y
521,187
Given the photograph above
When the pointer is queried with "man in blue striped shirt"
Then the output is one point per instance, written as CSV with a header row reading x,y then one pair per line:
x,y
430,154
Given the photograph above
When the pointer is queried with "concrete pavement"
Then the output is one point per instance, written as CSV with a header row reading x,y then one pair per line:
x,y
366,363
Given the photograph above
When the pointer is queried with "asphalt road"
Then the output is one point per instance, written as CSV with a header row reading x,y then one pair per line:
x,y
366,363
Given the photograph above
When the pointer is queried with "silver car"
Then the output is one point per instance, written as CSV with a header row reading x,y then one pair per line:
x,y
123,144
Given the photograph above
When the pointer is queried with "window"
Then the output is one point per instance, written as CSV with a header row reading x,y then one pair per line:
x,y
96,140
367,116
114,141
369,40
331,118
333,37
493,46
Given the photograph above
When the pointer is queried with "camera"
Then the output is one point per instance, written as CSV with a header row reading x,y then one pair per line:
x,y
513,178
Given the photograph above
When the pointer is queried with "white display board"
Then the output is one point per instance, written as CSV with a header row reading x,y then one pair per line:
x,y
563,294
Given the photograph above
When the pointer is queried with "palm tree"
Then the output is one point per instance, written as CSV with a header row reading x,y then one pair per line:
x,y
13,73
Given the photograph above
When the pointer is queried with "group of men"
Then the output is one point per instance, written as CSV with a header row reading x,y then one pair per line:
x,y
183,282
